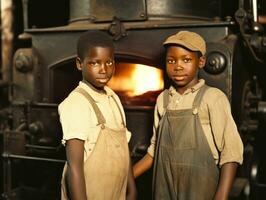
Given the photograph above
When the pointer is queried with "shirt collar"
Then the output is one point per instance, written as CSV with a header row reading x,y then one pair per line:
x,y
97,96
193,89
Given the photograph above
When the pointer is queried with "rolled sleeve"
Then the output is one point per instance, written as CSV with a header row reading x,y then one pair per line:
x,y
128,135
158,112
225,132
151,149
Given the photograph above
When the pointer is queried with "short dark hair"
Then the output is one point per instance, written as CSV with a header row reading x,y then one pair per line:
x,y
92,38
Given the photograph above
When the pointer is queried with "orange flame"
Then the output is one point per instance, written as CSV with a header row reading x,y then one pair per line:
x,y
136,79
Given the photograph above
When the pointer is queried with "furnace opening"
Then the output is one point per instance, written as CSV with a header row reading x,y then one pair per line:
x,y
137,84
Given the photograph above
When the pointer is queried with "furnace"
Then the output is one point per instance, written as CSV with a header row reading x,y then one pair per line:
x,y
43,74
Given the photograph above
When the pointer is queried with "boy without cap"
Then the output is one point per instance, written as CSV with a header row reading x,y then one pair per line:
x,y
98,164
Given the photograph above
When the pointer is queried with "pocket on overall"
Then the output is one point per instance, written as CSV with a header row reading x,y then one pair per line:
x,y
181,134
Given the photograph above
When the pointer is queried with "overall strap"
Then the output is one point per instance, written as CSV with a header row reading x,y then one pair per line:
x,y
165,98
196,104
199,96
120,111
98,113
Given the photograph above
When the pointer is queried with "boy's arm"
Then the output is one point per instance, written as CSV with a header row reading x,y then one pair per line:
x,y
146,162
142,165
131,186
75,169
227,176
227,139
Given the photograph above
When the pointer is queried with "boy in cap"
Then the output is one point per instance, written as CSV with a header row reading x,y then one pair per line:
x,y
196,147
94,129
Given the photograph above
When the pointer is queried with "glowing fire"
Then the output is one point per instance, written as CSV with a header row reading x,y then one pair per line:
x,y
136,79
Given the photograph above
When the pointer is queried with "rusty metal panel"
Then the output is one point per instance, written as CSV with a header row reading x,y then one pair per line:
x,y
106,10
14,142
24,84
56,62
184,8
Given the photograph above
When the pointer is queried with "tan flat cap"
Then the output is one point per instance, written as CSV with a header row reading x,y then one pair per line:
x,y
190,40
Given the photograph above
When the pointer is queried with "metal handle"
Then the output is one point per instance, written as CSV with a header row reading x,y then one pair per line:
x,y
255,10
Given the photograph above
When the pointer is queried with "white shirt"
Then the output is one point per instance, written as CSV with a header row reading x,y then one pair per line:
x,y
78,118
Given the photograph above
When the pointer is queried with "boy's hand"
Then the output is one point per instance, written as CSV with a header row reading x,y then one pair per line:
x,y
143,165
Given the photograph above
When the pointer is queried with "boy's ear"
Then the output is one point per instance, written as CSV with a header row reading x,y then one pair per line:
x,y
78,63
202,61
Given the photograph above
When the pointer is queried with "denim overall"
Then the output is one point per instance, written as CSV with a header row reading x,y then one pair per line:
x,y
106,169
184,167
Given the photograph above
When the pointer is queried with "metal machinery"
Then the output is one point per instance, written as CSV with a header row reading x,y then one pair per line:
x,y
38,72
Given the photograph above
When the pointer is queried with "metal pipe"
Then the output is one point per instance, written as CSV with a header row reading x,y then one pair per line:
x,y
25,36
255,10
7,37
25,14
14,156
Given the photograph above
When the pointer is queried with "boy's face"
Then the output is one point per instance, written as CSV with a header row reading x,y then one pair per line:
x,y
98,66
182,67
